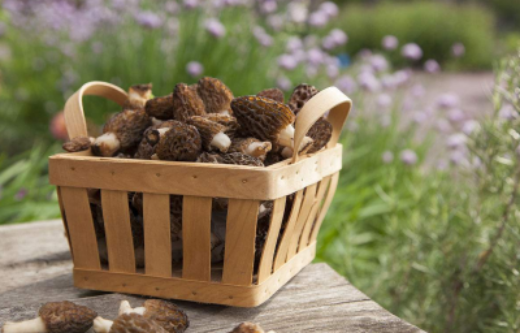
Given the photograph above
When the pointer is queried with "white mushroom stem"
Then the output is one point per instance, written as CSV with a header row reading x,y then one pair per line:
x,y
155,121
221,141
262,208
225,112
133,96
162,131
258,149
286,136
125,307
102,325
35,325
108,144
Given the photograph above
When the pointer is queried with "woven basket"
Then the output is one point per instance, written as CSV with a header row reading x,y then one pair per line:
x,y
312,178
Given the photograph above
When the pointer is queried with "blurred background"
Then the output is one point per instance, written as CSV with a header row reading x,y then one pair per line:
x,y
425,220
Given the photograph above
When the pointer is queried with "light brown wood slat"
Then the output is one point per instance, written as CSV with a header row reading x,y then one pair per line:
x,y
157,235
196,238
325,207
64,219
281,254
240,242
266,261
304,239
81,227
120,244
308,202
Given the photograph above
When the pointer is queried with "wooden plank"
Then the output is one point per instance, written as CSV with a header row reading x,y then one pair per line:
x,y
323,210
194,179
308,202
120,245
64,219
240,242
81,227
281,254
196,238
157,235
266,261
322,187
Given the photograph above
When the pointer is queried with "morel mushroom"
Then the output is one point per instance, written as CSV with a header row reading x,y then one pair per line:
x,y
80,143
266,120
186,102
123,131
168,315
151,136
251,146
160,107
247,327
56,317
127,323
227,121
181,142
320,132
216,95
274,93
137,96
300,96
230,158
212,133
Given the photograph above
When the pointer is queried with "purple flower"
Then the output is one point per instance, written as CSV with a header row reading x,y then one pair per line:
x,y
148,20
191,4
470,126
401,77
329,8
21,194
458,50
262,37
408,157
332,70
384,100
456,115
368,81
432,66
417,90
294,44
379,63
283,83
215,28
338,36
346,84
171,7
287,62
412,51
448,101
443,125
365,53
387,157
297,12
328,43
194,68
419,117
390,42
318,19
507,112
458,157
268,6
456,141
315,56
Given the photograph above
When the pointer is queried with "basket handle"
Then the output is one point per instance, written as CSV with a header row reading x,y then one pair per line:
x,y
328,99
74,115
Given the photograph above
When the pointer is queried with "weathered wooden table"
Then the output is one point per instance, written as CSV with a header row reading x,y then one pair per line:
x,y
35,268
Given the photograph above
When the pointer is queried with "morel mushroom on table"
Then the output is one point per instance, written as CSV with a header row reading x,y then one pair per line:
x,y
127,323
172,318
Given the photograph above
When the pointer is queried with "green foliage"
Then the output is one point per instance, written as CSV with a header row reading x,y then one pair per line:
x,y
435,27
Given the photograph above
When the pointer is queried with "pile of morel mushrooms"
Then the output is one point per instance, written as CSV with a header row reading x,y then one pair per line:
x,y
154,316
201,123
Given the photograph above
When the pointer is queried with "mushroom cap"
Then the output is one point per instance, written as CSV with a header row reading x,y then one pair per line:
x,y
273,93
273,157
146,148
172,318
262,117
247,327
208,129
230,122
128,126
160,107
181,143
135,323
241,159
300,95
207,157
66,317
80,143
216,95
186,102
320,133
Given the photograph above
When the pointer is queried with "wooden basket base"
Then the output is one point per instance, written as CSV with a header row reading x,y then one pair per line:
x,y
190,290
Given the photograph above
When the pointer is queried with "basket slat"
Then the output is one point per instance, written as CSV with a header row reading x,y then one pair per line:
x,y
64,220
196,238
304,239
266,261
281,255
240,242
323,211
120,245
157,234
308,200
80,227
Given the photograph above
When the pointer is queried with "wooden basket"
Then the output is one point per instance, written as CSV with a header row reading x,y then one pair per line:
x,y
313,178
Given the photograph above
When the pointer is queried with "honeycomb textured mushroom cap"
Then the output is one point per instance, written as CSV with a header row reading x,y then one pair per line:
x,y
135,323
241,159
301,94
186,102
146,148
160,107
230,122
274,93
181,142
247,327
137,96
207,157
77,144
172,318
251,146
128,127
320,132
66,317
216,95
212,133
262,117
